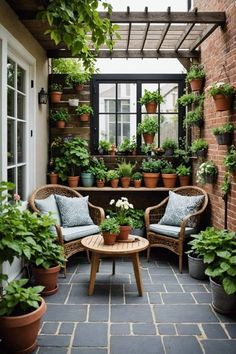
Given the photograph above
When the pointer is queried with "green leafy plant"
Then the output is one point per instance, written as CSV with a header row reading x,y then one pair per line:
x,y
198,145
112,174
84,109
151,165
230,159
151,96
77,78
225,128
128,145
60,114
104,145
183,154
196,72
110,225
221,88
137,176
183,170
169,143
194,117
191,98
137,217
66,65
55,87
226,185
148,148
125,169
149,125
168,168
207,168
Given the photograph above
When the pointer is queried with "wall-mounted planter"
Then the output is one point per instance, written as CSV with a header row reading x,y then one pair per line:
x,y
222,102
73,102
196,85
55,96
224,138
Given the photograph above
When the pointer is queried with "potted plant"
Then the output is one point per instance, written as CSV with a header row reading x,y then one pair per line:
x,y
128,146
137,217
151,99
137,178
190,98
103,147
224,134
222,94
88,173
199,147
100,178
149,149
207,172
110,228
169,146
148,127
184,173
195,77
151,169
122,206
125,170
55,92
113,176
194,117
60,116
77,80
84,112
230,159
168,174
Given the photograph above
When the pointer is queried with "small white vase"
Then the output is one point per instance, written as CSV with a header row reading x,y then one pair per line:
x,y
73,102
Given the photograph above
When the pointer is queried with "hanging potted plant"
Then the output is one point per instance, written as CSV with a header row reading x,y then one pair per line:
x,y
194,118
168,174
60,116
224,134
84,112
222,94
151,99
78,80
230,160
148,128
195,77
110,229
184,174
190,98
169,146
207,172
113,176
122,206
125,170
137,178
151,169
55,92
199,147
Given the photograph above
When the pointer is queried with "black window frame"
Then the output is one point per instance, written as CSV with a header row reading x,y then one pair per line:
x,y
139,79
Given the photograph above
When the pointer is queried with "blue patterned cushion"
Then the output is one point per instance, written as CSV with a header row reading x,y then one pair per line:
x,y
76,232
74,211
172,231
178,207
49,205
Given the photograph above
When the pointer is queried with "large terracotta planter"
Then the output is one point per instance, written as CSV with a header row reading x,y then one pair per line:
x,y
114,182
84,117
47,278
73,181
151,179
53,177
55,96
19,333
222,302
169,179
109,239
151,107
148,138
61,124
222,102
196,85
125,182
124,232
184,180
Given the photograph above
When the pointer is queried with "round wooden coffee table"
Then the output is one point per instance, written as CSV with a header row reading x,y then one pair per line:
x,y
95,244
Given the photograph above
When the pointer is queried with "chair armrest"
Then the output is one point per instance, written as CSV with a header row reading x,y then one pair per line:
x,y
97,213
154,213
59,234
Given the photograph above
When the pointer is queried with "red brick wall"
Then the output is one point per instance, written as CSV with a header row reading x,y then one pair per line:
x,y
218,55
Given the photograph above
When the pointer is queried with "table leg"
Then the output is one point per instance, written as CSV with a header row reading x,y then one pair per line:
x,y
136,266
113,266
94,268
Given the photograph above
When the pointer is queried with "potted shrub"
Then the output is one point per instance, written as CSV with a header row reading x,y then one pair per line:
x,y
125,170
194,117
137,178
168,174
128,146
113,176
137,217
151,99
77,80
224,134
148,128
148,149
55,92
110,228
195,77
184,173
84,112
199,147
169,146
99,170
100,178
207,172
151,169
222,94
60,116
230,160
103,147
88,174
190,98
122,206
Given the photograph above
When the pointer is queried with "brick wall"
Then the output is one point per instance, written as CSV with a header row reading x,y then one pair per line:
x,y
218,55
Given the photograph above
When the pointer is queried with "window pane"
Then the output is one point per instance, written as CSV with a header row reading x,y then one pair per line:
x,y
126,127
20,79
21,182
10,142
170,94
107,96
10,103
149,87
10,72
20,142
20,106
127,98
11,175
168,127
107,127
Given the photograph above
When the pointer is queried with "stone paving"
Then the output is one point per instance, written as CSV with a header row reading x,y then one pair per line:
x,y
174,315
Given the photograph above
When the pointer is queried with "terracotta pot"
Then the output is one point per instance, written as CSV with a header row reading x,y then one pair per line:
x,y
55,96
19,333
169,179
137,183
196,85
84,117
125,182
224,139
114,182
61,124
124,232
78,88
100,183
47,278
184,181
53,177
222,102
151,107
73,181
151,179
109,239
148,138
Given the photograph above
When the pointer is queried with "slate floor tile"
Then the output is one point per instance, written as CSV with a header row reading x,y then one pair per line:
x,y
231,328
66,328
133,298
173,288
136,344
90,335
161,271
184,344
79,294
67,313
117,294
185,279
131,313
177,298
188,329
194,288
143,328
98,313
214,330
52,350
147,287
155,298
166,329
119,329
49,328
60,296
166,279
88,351
54,341
213,346
202,298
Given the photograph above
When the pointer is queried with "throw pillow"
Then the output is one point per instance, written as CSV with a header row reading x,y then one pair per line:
x,y
178,207
74,211
49,205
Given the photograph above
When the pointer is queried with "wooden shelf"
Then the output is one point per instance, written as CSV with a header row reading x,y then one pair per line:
x,y
120,189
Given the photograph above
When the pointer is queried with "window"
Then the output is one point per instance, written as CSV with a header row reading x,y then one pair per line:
x,y
115,102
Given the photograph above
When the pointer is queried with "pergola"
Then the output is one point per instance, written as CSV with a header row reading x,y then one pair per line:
x,y
142,34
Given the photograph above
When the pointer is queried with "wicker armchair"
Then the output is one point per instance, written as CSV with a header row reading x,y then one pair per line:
x,y
96,213
155,213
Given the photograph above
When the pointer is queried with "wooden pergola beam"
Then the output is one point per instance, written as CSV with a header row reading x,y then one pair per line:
x,y
167,26
206,33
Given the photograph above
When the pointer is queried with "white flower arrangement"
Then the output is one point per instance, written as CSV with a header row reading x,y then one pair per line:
x,y
122,205
207,168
